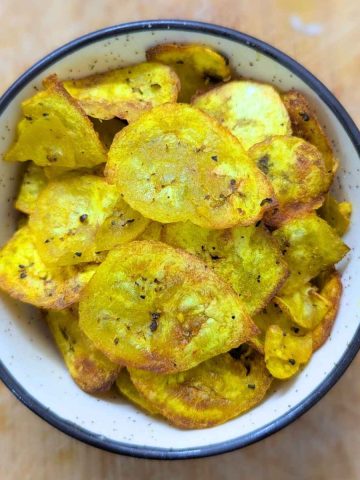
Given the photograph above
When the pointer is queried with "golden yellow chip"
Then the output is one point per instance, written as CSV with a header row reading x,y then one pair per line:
x,y
246,257
197,66
252,111
68,214
125,92
337,214
33,182
128,389
56,131
296,171
309,246
331,289
306,125
153,307
107,129
176,164
123,225
273,315
89,368
286,353
24,276
152,232
209,394
306,307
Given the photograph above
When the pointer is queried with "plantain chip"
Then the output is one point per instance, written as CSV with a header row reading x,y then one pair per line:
x,y
153,307
246,257
123,225
331,289
310,246
209,394
56,131
89,368
68,214
125,92
306,125
197,66
24,276
284,353
107,129
252,111
306,307
337,214
152,232
273,315
128,390
297,173
176,164
33,182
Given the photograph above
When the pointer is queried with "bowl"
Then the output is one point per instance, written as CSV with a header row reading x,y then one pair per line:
x,y
30,365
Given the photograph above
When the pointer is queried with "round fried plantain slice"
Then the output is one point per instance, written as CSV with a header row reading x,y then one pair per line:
x,y
246,257
89,368
128,390
33,182
331,290
285,353
197,66
252,111
296,171
24,276
210,394
68,214
176,164
310,246
125,92
56,131
123,225
306,307
153,307
306,125
336,214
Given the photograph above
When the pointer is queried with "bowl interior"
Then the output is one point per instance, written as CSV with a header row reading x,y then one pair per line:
x,y
27,353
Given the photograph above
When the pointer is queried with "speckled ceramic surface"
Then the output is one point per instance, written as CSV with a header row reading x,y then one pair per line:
x,y
30,364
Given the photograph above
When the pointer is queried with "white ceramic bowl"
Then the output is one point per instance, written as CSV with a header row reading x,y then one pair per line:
x,y
29,363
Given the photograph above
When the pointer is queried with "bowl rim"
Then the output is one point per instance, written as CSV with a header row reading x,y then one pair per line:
x,y
353,133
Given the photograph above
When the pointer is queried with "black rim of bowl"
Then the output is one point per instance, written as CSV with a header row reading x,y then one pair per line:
x,y
352,132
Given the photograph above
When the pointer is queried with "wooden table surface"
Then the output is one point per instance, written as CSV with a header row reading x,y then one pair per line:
x,y
323,444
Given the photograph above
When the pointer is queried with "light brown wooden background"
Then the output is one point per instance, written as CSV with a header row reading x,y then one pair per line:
x,y
324,443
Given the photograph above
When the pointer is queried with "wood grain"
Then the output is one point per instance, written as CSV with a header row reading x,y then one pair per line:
x,y
322,35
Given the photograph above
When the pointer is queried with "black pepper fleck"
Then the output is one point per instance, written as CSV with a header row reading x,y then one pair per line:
x,y
153,325
304,116
263,163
